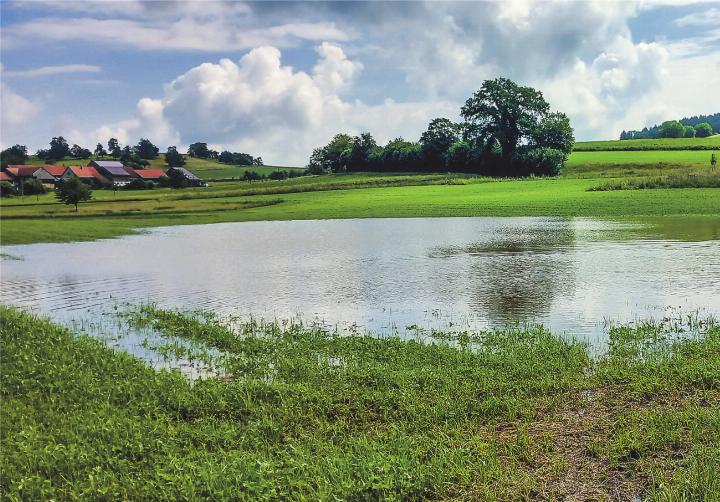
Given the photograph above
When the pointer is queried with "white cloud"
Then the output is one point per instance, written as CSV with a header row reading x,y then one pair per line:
x,y
187,33
53,70
262,107
710,17
16,112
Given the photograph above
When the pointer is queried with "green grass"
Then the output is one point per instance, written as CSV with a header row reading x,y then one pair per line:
x,y
705,180
634,163
307,415
711,143
44,220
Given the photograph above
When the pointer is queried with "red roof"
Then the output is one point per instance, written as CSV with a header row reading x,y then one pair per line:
x,y
22,171
5,176
88,172
149,174
55,170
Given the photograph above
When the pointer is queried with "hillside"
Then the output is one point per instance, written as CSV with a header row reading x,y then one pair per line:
x,y
711,143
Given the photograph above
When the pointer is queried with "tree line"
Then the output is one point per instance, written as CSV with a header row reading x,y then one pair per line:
x,y
700,126
507,130
137,156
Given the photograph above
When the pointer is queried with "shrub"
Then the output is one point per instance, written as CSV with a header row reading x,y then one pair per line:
x,y
7,189
703,130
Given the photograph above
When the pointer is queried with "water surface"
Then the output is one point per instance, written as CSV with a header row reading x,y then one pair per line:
x,y
384,275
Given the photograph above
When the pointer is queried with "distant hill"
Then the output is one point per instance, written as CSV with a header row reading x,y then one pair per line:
x,y
654,131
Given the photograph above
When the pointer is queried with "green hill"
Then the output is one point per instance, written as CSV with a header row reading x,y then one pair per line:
x,y
711,143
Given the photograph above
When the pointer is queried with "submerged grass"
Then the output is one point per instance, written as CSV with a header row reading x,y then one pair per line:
x,y
303,413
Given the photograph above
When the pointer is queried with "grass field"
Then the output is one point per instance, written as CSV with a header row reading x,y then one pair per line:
x,y
43,219
711,143
306,415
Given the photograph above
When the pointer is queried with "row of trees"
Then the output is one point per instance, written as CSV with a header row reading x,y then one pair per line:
x,y
201,151
137,156
508,130
700,126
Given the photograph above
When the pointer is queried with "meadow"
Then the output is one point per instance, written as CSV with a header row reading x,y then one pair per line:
x,y
304,414
365,195
710,143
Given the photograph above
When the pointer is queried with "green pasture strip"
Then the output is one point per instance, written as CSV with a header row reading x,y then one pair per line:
x,y
540,197
710,143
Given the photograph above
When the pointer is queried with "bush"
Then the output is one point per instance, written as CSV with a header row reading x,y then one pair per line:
x,y
7,189
33,187
139,184
543,161
703,130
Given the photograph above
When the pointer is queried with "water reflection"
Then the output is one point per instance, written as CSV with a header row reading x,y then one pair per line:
x,y
384,274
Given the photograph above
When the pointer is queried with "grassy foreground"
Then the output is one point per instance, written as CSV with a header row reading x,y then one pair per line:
x,y
304,414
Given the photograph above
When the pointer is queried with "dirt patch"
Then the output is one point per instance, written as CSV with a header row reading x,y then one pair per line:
x,y
563,451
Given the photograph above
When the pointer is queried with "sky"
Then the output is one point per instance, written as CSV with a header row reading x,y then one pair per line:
x,y
277,79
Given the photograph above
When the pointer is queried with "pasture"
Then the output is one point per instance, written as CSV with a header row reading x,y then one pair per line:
x,y
710,143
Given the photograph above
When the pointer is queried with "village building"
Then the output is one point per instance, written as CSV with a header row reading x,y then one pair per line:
x,y
45,177
20,173
154,175
88,174
114,171
191,178
6,177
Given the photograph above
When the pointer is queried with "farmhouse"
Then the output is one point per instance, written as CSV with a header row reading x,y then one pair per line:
x,y
191,179
45,177
114,171
154,175
5,177
88,174
20,172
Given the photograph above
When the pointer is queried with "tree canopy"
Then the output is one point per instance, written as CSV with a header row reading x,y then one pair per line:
x,y
16,154
73,191
146,150
508,130
173,157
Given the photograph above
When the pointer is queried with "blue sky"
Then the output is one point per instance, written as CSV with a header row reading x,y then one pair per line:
x,y
276,79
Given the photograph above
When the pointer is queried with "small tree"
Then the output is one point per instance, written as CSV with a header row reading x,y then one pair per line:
x,y
689,132
114,148
7,189
78,152
713,161
33,187
73,191
703,130
100,151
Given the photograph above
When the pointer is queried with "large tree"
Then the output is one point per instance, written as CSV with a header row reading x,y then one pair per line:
x,y
16,154
360,151
440,135
505,112
672,129
146,150
59,148
73,191
78,152
173,157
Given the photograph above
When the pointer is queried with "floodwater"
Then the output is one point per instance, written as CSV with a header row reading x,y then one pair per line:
x,y
383,275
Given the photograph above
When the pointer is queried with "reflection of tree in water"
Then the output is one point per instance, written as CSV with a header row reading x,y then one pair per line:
x,y
518,273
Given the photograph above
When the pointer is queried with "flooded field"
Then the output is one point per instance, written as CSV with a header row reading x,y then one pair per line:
x,y
383,275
